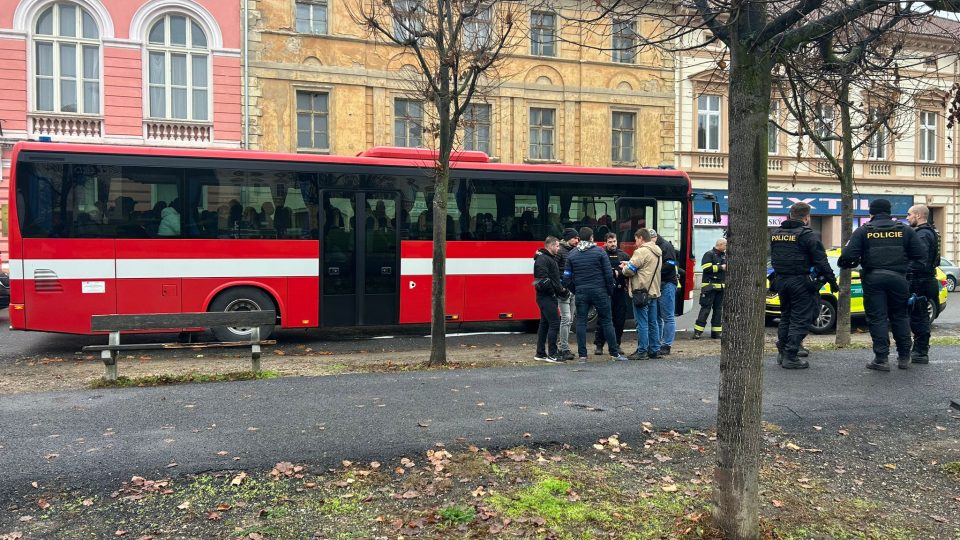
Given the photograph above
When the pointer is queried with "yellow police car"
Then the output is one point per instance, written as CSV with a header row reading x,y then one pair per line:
x,y
826,321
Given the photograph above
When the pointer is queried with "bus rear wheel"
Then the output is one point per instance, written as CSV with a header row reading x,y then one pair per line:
x,y
242,299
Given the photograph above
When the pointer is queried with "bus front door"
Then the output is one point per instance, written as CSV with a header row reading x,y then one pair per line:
x,y
360,259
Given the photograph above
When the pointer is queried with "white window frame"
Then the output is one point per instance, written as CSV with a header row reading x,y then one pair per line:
x,y
313,113
877,143
617,133
927,136
536,149
190,52
477,31
55,40
624,46
823,125
409,121
706,112
411,7
312,6
538,47
773,132
472,127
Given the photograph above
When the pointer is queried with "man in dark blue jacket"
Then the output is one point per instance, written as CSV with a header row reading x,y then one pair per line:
x,y
884,248
589,276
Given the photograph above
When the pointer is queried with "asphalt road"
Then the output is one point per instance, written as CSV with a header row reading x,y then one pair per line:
x,y
99,438
17,345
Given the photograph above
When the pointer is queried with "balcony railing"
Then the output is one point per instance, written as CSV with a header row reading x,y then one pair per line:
x,y
931,171
712,161
59,126
879,169
177,132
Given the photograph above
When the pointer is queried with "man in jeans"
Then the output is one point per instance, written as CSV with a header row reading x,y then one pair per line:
x,y
567,305
667,303
643,269
589,275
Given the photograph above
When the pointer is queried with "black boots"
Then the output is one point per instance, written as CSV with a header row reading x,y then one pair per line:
x,y
697,334
916,357
879,363
903,362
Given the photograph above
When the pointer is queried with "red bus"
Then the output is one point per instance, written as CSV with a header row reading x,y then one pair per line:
x,y
326,241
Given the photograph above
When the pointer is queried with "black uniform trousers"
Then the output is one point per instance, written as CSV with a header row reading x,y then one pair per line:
x,y
885,295
919,318
618,312
711,299
797,302
549,325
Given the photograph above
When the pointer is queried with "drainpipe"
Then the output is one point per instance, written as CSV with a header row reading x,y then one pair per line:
x,y
246,76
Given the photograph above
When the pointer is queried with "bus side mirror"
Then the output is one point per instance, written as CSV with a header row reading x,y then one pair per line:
x,y
715,209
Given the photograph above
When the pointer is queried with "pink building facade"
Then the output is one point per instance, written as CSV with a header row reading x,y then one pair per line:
x,y
131,72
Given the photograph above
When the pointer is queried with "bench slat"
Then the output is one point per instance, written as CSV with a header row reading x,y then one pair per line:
x,y
159,346
174,321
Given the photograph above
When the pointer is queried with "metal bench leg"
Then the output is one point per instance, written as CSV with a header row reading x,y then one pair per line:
x,y
255,349
110,358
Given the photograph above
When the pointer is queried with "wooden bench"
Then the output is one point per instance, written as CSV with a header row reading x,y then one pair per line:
x,y
114,324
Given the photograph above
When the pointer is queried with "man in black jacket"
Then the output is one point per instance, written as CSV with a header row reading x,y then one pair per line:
x,y
714,266
589,276
884,247
923,281
546,280
567,305
667,303
619,299
794,250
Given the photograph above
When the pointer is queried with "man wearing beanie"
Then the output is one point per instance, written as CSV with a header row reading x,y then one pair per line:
x,y
567,306
883,248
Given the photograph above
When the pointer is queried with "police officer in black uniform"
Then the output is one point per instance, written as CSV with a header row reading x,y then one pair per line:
x,y
799,263
883,247
619,298
714,266
923,281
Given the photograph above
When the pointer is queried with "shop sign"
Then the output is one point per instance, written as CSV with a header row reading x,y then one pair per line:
x,y
823,204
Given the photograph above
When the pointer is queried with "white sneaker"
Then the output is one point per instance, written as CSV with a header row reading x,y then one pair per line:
x,y
546,358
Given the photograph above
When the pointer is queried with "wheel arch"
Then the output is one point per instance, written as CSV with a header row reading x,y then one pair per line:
x,y
270,291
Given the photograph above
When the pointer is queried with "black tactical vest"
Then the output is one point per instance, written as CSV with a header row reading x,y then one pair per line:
x,y
885,248
786,255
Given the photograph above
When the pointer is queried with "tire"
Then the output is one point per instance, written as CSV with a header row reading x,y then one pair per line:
x,y
242,299
826,322
592,319
951,283
933,310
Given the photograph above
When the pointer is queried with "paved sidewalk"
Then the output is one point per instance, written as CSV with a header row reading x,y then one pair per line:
x,y
104,436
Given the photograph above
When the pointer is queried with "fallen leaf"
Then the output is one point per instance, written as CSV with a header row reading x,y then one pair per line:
x,y
87,502
120,532
222,453
35,485
346,463
423,423
791,446
374,465
251,428
890,466
51,457
410,494
184,505
43,504
223,507
818,428
238,479
670,488
777,504
527,435
213,516
941,428
843,432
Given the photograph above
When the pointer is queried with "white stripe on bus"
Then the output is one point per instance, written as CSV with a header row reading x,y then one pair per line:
x,y
243,268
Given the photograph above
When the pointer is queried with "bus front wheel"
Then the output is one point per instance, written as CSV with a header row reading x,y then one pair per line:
x,y
242,299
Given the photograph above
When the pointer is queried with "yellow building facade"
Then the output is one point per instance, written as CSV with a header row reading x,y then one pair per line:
x,y
320,83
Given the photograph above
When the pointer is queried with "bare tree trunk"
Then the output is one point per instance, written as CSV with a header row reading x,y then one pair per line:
x,y
741,375
846,212
438,320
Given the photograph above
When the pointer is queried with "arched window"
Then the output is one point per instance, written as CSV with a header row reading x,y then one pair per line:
x,y
66,62
179,74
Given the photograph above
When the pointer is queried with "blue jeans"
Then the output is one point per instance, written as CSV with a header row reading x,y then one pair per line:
x,y
667,306
599,299
648,327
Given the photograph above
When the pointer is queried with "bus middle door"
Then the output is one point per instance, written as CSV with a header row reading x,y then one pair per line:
x,y
360,259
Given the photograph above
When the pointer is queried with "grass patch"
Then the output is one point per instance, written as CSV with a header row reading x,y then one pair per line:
x,y
953,469
186,378
945,340
457,515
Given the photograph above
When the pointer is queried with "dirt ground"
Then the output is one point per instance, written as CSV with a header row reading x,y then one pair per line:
x,y
52,373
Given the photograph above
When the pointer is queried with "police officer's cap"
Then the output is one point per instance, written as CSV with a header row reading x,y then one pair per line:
x,y
880,206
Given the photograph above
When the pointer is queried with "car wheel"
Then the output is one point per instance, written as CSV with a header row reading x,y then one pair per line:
x,y
826,320
591,319
242,299
951,283
932,310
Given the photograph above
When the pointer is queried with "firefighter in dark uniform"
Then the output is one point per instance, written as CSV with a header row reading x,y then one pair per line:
x,y
714,266
883,248
800,266
923,281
